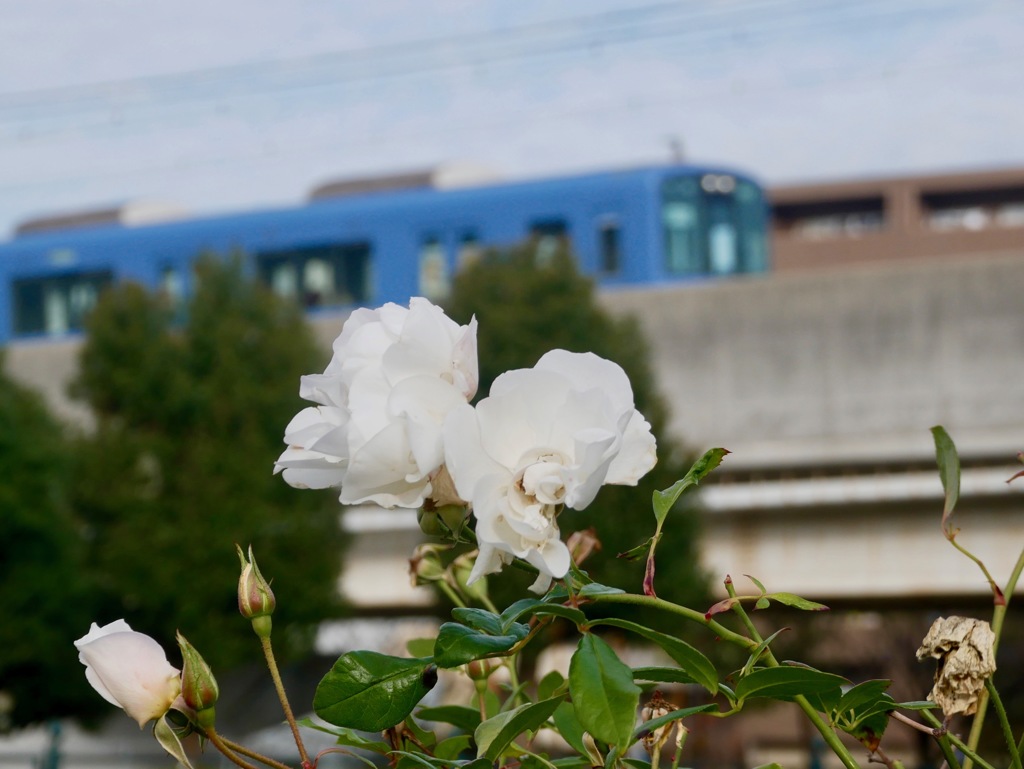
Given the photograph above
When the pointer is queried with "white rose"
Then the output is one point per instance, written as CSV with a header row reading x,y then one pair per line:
x,y
545,437
129,670
376,433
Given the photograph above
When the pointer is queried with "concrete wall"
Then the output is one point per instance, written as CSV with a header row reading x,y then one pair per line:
x,y
838,367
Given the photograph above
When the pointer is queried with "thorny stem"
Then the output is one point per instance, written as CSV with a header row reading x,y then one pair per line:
x,y
238,748
1002,602
882,758
951,536
741,612
970,754
231,755
680,741
897,716
826,731
941,736
452,595
268,652
742,641
1011,743
673,608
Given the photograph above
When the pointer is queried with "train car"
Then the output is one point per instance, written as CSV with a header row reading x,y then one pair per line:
x,y
349,246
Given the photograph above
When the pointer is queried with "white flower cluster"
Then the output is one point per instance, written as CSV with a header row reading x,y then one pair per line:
x,y
394,421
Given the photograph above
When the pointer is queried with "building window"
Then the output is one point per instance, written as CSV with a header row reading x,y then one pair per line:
x,y
975,209
335,275
435,282
821,219
609,238
56,304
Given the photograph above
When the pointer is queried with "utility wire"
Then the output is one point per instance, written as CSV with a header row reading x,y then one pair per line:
x,y
589,34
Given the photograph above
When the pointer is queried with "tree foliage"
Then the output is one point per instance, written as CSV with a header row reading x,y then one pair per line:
x,y
526,308
45,595
190,419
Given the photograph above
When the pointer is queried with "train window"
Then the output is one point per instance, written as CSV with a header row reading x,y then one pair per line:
x,y
609,238
681,219
548,236
58,304
435,282
723,244
470,250
752,216
333,275
715,225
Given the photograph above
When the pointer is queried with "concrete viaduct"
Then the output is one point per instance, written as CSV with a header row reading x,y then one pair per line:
x,y
823,385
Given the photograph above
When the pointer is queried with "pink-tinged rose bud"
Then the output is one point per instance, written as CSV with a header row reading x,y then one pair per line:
x,y
129,670
198,686
255,598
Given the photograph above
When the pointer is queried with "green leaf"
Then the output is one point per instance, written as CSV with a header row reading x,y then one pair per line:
x,y
949,470
453,747
758,651
663,675
461,717
540,609
787,681
495,734
424,761
573,762
169,740
478,619
762,603
372,692
426,738
825,702
603,692
517,610
636,553
457,644
688,658
757,582
569,727
675,715
347,736
865,693
917,705
772,765
420,647
594,589
790,599
663,500
868,726
550,684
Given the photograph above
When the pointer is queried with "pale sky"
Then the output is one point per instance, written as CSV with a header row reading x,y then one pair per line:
x,y
230,104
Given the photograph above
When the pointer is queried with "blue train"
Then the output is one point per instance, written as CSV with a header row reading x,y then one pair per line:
x,y
350,247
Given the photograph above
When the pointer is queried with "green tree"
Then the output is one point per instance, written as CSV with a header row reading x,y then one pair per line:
x,y
525,309
45,595
190,419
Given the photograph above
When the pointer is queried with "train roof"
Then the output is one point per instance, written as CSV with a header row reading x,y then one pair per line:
x,y
355,198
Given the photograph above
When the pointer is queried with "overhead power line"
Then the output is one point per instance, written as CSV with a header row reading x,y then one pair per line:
x,y
759,22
